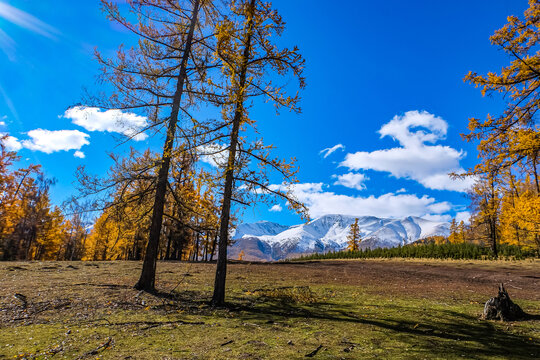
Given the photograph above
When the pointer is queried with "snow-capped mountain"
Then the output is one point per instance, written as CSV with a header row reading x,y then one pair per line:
x,y
266,240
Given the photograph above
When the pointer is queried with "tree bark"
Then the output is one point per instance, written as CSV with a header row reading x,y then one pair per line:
x,y
502,308
148,275
218,299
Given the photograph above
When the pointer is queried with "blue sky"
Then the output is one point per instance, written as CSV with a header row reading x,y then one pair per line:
x,y
384,92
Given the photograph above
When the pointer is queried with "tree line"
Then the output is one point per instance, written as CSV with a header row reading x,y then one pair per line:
x,y
432,250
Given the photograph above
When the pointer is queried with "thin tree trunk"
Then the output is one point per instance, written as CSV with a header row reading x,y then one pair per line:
x,y
218,299
214,245
148,274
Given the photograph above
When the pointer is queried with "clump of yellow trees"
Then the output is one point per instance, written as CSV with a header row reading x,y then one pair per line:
x,y
506,197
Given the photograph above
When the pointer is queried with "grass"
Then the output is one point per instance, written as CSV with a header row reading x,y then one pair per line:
x,y
346,309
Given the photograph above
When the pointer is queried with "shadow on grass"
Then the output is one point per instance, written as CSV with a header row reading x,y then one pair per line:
x,y
443,333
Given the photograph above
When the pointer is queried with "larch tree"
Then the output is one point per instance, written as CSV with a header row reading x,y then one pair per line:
x,y
354,238
159,77
250,63
486,198
510,142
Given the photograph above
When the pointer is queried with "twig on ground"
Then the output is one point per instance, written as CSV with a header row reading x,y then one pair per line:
x,y
314,352
103,346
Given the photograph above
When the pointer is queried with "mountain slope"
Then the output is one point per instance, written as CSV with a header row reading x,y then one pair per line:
x,y
265,240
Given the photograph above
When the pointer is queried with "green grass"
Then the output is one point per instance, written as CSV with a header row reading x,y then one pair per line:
x,y
272,313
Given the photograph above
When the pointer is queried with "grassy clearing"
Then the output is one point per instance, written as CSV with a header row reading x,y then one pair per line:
x,y
346,309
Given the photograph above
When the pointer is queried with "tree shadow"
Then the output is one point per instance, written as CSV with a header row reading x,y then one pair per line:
x,y
445,333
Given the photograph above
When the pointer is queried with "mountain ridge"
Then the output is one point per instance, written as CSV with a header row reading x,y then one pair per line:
x,y
269,241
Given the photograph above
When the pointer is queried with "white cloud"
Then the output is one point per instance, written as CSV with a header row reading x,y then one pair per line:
x,y
7,45
464,216
79,154
276,208
441,218
213,154
415,159
49,141
328,151
320,202
11,143
400,128
93,119
351,180
26,21
400,191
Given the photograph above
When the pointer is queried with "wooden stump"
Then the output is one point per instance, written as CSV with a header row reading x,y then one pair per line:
x,y
502,308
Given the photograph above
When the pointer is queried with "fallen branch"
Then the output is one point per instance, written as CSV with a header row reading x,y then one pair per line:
x,y
152,324
314,352
103,346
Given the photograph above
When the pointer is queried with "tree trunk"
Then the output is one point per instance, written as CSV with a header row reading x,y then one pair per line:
x,y
218,299
148,275
502,308
214,245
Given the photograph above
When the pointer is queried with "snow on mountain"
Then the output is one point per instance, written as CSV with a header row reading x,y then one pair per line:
x,y
266,240
257,229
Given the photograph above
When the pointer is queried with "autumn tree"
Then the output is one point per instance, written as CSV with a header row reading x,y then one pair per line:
x,y
354,238
159,77
250,64
30,227
510,142
125,199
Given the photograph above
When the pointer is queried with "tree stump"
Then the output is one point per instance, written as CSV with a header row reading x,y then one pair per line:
x,y
502,308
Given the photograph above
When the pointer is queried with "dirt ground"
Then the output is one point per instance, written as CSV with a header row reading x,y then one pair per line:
x,y
403,309
430,278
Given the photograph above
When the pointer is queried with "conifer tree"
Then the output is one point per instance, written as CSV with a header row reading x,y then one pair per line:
x,y
509,144
161,78
354,238
249,59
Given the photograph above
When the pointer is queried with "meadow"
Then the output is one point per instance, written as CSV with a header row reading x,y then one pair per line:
x,y
331,309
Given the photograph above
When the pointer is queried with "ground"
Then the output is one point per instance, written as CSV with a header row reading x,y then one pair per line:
x,y
387,309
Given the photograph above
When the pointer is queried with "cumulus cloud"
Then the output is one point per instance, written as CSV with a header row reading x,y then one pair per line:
x,y
351,180
441,218
79,154
213,154
417,159
321,202
276,208
115,121
464,216
328,151
11,143
48,141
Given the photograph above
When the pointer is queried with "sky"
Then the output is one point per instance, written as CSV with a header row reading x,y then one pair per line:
x,y
382,112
